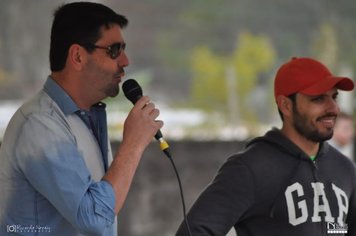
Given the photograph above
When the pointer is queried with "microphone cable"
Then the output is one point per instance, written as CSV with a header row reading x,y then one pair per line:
x,y
168,154
133,92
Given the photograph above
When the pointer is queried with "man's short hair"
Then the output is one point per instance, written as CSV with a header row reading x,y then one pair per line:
x,y
80,23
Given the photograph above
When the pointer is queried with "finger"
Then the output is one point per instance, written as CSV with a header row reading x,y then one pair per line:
x,y
141,103
159,123
149,107
154,113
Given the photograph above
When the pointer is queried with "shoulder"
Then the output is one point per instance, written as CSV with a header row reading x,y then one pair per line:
x,y
43,110
333,155
41,105
337,166
258,153
36,120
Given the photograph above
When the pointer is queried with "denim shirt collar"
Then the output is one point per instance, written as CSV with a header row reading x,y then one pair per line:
x,y
64,101
61,98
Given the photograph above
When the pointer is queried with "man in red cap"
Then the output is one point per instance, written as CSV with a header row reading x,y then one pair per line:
x,y
289,181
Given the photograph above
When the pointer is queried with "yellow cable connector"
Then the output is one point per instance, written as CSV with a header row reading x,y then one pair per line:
x,y
164,147
163,144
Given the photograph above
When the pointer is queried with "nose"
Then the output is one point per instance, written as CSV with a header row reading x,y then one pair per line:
x,y
333,106
123,60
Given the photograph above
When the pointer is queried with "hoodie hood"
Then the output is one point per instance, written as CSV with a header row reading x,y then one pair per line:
x,y
276,138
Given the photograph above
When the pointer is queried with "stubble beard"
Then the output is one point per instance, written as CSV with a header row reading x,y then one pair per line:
x,y
311,133
112,90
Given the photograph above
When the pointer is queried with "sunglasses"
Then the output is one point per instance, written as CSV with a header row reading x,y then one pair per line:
x,y
113,50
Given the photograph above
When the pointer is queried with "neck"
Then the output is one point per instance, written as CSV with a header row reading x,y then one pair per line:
x,y
71,84
311,148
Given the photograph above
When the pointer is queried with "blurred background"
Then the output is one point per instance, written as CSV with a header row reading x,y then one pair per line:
x,y
209,66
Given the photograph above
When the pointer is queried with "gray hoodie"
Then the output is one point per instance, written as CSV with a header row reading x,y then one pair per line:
x,y
273,188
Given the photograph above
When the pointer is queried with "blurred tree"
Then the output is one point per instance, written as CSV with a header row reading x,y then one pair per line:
x,y
208,82
252,58
325,46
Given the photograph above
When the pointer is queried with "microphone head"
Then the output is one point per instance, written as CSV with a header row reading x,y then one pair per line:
x,y
132,90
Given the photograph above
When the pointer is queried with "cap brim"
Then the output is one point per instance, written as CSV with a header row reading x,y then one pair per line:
x,y
342,83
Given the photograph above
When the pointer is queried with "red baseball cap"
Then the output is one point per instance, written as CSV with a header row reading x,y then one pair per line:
x,y
307,76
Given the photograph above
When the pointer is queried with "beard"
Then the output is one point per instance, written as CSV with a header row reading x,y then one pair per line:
x,y
106,82
112,90
308,130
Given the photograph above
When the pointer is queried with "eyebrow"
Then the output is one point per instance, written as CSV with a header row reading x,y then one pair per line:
x,y
336,93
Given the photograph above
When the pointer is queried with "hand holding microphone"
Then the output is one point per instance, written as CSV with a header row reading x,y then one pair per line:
x,y
133,92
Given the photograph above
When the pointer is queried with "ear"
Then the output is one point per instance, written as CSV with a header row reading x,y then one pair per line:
x,y
76,56
285,105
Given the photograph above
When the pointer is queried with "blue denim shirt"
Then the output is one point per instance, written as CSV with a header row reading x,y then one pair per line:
x,y
45,185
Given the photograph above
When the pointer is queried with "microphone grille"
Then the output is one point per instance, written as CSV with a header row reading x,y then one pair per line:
x,y
132,90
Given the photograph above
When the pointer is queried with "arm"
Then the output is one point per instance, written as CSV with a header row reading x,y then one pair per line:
x,y
47,155
351,218
139,129
222,203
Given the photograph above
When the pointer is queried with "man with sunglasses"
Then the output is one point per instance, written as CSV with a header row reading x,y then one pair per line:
x,y
57,174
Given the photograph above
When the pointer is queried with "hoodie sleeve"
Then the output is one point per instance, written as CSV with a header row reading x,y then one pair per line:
x,y
351,219
223,202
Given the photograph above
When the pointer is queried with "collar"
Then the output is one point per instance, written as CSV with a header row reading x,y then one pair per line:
x,y
60,96
276,138
63,100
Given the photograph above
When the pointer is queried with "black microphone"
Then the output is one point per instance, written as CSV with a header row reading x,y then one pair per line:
x,y
133,92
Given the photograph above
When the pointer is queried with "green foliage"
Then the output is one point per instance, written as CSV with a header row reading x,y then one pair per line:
x,y
252,58
208,85
253,55
325,46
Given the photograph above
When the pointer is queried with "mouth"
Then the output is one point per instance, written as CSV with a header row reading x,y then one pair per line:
x,y
327,121
118,76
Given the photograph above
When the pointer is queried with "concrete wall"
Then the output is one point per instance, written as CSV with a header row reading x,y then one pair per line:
x,y
153,206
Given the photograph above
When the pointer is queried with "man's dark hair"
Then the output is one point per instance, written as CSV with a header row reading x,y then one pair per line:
x,y
291,97
80,23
